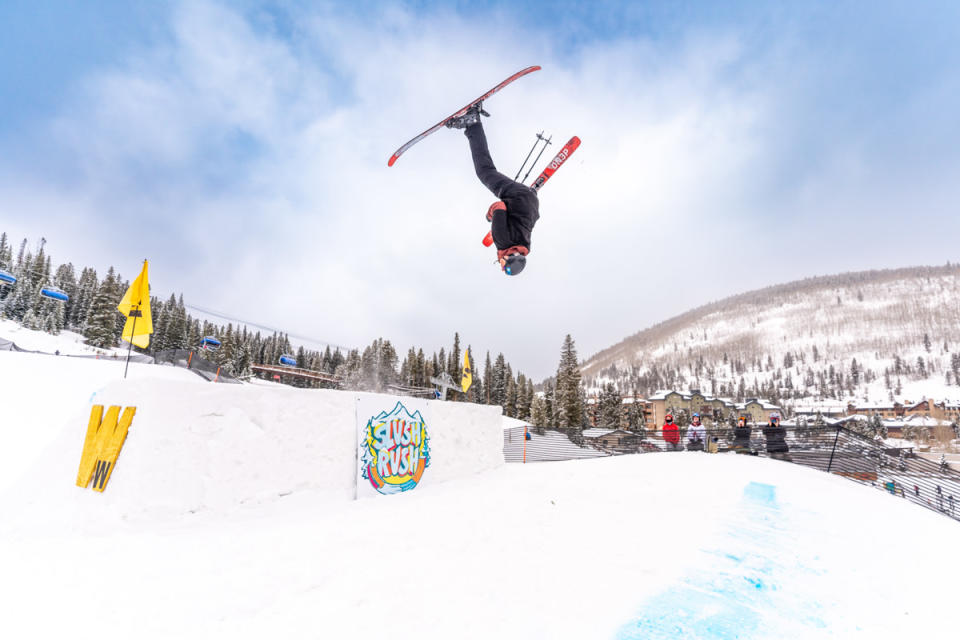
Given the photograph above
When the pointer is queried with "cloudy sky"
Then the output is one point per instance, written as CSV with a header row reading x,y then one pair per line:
x,y
242,148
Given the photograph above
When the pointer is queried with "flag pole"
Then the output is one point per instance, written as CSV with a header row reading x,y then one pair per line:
x,y
133,330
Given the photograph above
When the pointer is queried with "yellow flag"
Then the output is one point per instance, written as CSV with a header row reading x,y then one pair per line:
x,y
136,307
467,378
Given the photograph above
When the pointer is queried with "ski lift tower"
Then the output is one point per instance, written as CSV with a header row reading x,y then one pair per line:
x,y
444,381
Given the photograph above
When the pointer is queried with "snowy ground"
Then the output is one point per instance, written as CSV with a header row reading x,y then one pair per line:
x,y
67,342
682,545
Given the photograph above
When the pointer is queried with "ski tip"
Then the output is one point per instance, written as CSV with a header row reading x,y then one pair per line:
x,y
392,159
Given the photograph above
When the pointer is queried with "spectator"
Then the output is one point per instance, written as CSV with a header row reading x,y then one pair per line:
x,y
671,434
950,502
776,436
695,434
741,436
939,498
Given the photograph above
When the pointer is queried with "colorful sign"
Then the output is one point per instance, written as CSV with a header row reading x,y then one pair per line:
x,y
394,445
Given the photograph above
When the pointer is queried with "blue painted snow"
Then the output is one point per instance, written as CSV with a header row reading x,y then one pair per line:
x,y
743,588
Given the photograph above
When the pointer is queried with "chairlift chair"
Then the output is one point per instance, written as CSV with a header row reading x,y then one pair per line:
x,y
288,361
209,342
54,293
7,278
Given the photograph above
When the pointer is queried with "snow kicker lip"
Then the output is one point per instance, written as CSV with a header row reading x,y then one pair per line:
x,y
739,592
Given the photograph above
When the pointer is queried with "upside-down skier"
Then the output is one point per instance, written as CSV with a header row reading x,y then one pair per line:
x,y
513,216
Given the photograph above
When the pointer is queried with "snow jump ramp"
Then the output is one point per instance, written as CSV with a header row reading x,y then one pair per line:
x,y
197,448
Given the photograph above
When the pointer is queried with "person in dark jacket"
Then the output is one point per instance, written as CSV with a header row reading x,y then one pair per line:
x,y
513,216
741,436
776,436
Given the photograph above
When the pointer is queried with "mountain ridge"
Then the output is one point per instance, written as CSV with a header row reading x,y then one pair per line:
x,y
866,324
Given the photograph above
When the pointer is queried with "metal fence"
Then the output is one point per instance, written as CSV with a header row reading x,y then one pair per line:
x,y
190,360
8,345
832,449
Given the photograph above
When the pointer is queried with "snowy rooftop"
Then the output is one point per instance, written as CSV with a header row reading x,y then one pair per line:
x,y
597,433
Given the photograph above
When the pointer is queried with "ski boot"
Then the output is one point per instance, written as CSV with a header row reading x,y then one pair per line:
x,y
471,117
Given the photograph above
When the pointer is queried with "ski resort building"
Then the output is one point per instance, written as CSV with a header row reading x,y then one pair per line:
x,y
946,410
710,409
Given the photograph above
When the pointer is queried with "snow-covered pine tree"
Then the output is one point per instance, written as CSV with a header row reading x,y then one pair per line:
x,y
538,414
498,395
349,371
177,326
242,357
65,278
86,290
387,370
194,336
6,252
549,404
27,292
454,362
100,326
410,360
610,409
369,366
487,381
510,397
523,399
569,404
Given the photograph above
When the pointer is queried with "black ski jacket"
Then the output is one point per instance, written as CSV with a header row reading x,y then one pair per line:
x,y
514,226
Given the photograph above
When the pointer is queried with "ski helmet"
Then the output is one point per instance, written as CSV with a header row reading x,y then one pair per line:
x,y
668,417
514,264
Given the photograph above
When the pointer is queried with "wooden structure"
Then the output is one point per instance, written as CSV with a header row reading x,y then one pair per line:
x,y
304,374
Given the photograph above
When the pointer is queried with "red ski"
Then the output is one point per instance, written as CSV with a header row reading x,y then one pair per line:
x,y
459,113
565,152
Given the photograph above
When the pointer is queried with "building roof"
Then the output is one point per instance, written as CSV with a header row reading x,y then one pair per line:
x,y
599,433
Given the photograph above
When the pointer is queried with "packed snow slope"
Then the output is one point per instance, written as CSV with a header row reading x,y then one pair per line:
x,y
652,546
800,340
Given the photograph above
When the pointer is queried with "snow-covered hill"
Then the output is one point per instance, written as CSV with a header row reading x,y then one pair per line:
x,y
215,526
65,342
867,336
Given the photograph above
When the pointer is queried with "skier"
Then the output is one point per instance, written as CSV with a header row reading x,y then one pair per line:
x,y
671,434
695,434
513,216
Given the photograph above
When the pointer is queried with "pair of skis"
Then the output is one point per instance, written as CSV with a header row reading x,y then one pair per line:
x,y
565,152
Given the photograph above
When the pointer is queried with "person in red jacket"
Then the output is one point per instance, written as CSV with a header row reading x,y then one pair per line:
x,y
671,434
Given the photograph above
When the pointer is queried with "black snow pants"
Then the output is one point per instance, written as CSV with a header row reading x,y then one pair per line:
x,y
513,226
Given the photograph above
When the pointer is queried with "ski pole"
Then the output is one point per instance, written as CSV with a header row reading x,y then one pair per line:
x,y
535,143
547,141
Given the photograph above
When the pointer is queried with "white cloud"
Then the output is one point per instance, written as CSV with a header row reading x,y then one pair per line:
x,y
260,163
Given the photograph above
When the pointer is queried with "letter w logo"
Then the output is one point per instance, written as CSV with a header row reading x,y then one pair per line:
x,y
105,438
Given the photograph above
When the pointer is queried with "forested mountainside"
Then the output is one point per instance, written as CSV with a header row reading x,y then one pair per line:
x,y
865,336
